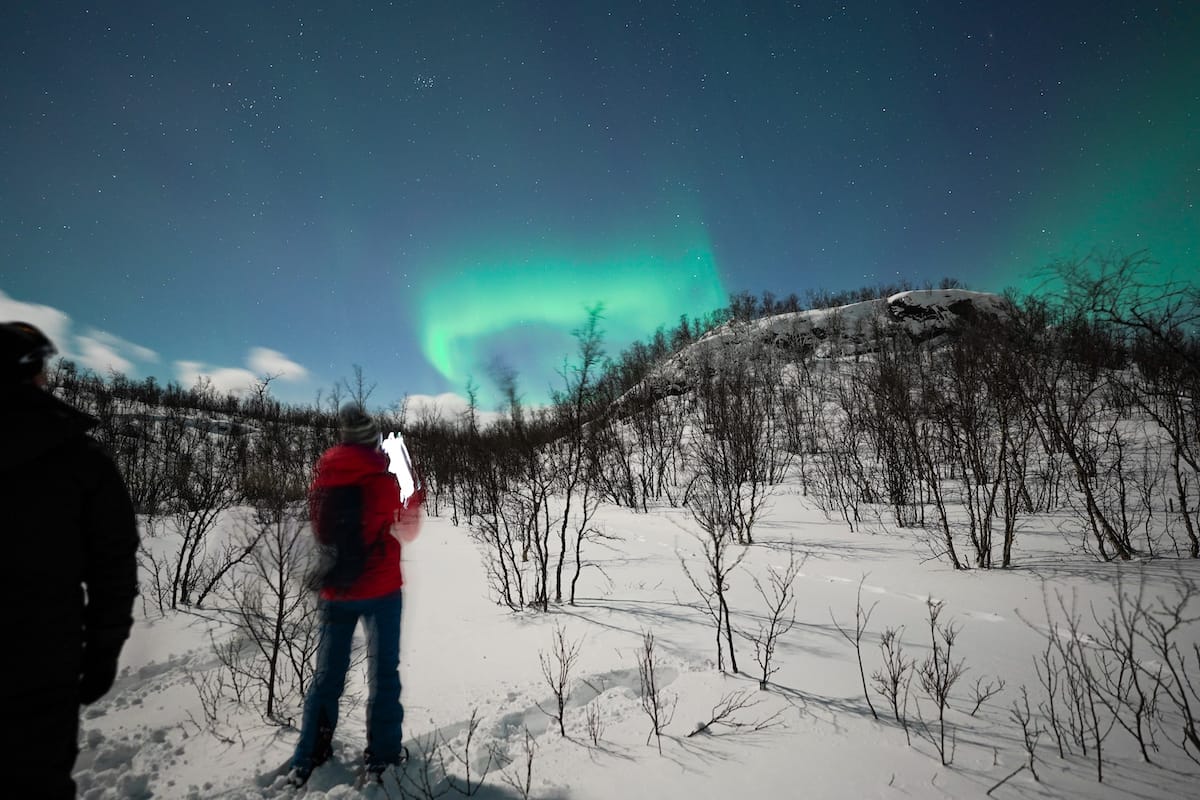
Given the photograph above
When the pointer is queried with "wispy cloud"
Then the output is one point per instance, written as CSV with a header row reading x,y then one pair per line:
x,y
51,321
95,349
106,352
265,361
261,362
100,357
135,351
446,406
224,379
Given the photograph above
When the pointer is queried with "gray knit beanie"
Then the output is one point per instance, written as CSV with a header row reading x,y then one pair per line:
x,y
357,426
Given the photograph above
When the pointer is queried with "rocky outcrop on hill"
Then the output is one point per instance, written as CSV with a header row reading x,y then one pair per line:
x,y
855,329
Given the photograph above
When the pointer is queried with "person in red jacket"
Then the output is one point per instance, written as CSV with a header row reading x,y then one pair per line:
x,y
352,480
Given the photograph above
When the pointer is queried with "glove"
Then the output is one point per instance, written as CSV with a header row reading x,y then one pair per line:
x,y
99,673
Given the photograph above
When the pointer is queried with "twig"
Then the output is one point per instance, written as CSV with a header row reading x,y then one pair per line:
x,y
1004,780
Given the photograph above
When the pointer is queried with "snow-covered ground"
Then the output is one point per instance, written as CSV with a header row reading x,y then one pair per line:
x,y
465,655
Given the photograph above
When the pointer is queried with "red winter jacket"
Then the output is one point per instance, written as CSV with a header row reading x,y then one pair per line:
x,y
367,467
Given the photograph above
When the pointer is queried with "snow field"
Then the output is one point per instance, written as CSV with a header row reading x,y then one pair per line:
x,y
462,654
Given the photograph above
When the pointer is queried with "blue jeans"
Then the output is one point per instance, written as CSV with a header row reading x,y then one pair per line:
x,y
385,714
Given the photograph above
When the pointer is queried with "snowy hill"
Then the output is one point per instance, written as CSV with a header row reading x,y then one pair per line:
x,y
854,329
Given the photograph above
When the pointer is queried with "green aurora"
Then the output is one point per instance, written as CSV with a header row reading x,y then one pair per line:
x,y
519,312
1127,181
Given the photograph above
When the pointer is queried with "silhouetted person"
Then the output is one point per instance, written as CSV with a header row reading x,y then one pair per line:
x,y
69,543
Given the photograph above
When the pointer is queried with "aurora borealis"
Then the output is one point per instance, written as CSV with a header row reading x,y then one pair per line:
x,y
427,189
494,306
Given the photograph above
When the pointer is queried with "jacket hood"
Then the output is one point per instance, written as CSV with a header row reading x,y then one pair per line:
x,y
33,422
349,463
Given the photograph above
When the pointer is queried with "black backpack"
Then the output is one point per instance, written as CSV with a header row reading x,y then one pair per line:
x,y
341,552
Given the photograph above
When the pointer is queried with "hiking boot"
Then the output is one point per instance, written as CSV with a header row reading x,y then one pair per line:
x,y
298,776
375,768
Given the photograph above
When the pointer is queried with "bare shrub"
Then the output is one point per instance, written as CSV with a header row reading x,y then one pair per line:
x,y
1031,730
861,619
1085,720
500,531
894,678
716,537
556,669
204,487
426,778
522,781
1047,667
467,787
658,707
982,692
724,715
273,611
780,617
214,704
574,406
938,673
1169,629
594,723
1128,686
742,452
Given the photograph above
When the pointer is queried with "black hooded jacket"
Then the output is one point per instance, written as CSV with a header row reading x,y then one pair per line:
x,y
67,526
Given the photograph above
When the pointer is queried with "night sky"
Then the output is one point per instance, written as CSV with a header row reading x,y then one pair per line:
x,y
427,188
